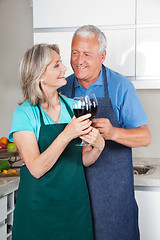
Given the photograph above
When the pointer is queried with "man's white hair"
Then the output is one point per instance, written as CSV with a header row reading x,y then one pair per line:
x,y
92,31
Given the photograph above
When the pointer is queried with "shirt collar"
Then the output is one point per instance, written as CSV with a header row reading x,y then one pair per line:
x,y
98,82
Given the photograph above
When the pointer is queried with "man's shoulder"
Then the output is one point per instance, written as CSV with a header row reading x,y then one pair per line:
x,y
116,76
67,89
117,80
71,76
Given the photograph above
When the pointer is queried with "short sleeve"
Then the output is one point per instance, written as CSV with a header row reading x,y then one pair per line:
x,y
132,113
20,122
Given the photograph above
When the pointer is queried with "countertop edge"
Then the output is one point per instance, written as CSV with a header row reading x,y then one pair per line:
x,y
8,184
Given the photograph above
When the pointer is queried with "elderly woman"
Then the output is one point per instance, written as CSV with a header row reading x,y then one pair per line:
x,y
52,200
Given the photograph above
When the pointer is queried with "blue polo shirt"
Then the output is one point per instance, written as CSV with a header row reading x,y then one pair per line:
x,y
97,88
124,98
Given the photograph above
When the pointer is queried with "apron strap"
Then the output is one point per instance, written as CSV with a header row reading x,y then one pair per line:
x,y
41,117
67,106
105,81
73,89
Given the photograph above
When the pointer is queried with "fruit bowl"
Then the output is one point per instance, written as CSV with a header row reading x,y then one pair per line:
x,y
8,150
12,157
6,154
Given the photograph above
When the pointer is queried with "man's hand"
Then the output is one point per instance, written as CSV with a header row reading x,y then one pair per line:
x,y
105,127
135,137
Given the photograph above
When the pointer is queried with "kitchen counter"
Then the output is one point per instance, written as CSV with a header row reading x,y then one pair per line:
x,y
152,177
8,183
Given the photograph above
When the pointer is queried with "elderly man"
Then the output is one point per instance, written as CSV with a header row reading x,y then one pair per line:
x,y
122,122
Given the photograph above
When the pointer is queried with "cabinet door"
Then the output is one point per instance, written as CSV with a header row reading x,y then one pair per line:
x,y
3,232
121,51
148,11
148,52
3,208
63,40
149,214
71,13
120,48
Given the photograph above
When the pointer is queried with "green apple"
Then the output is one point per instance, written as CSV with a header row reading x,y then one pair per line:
x,y
11,147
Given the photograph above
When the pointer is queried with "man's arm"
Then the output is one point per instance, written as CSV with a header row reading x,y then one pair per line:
x,y
136,137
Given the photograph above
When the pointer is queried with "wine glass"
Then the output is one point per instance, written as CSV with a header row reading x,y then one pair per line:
x,y
83,105
93,104
80,107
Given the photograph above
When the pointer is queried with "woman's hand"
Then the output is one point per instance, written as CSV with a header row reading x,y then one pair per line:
x,y
94,138
89,154
78,127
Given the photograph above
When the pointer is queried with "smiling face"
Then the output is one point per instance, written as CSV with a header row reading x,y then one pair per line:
x,y
54,73
86,61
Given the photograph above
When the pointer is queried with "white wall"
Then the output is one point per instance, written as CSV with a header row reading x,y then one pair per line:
x,y
151,101
16,35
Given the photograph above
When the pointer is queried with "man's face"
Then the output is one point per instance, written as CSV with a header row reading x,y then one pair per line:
x,y
86,61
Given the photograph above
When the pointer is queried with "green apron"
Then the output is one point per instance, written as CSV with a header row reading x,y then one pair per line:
x,y
56,206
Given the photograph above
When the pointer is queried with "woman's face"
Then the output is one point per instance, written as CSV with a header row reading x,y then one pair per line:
x,y
54,73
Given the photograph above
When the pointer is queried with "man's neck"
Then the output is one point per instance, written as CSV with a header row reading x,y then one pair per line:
x,y
86,83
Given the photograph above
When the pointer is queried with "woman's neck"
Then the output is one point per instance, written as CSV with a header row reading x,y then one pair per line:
x,y
53,108
53,101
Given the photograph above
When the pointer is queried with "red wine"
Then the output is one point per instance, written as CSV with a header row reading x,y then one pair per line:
x,y
80,112
93,110
83,111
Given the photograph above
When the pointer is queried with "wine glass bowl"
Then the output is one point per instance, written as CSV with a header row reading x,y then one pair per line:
x,y
79,106
93,104
83,105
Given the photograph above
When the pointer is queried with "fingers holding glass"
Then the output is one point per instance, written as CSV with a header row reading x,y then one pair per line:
x,y
82,106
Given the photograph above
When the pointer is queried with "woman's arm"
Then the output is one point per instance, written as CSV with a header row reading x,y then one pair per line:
x,y
91,153
40,163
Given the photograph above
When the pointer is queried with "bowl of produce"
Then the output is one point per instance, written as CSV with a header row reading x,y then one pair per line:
x,y
7,146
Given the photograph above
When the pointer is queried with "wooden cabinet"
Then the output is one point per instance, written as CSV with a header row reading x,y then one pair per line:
x,y
7,204
148,200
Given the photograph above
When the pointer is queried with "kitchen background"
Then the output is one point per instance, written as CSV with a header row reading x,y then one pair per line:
x,y
132,29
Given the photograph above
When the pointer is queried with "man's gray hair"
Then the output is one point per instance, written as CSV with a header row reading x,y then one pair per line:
x,y
91,31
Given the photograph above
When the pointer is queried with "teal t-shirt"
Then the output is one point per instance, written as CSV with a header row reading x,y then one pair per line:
x,y
27,118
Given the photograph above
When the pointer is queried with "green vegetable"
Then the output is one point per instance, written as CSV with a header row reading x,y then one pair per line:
x,y
4,165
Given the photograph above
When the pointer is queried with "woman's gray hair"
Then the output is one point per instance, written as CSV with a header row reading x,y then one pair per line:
x,y
91,31
32,67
